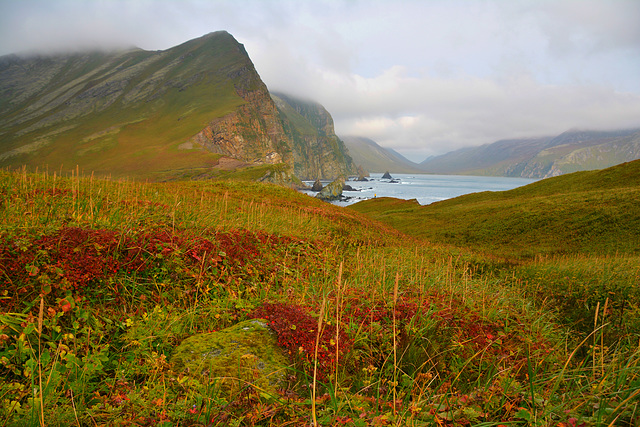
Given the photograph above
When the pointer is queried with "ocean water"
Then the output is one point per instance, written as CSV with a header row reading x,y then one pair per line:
x,y
424,188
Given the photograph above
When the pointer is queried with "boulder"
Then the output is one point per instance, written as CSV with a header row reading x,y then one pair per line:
x,y
317,186
332,191
246,353
386,175
347,187
362,174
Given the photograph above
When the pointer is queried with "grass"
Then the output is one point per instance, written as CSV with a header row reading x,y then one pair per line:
x,y
590,213
102,279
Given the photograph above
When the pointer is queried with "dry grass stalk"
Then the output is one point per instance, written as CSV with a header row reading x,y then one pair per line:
x,y
338,295
315,362
395,344
40,319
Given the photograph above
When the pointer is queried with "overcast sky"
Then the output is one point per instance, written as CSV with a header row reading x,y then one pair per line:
x,y
422,77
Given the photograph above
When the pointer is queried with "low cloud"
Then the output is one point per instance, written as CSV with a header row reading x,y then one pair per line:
x,y
421,77
429,115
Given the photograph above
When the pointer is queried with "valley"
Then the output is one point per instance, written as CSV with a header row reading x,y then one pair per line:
x,y
517,307
159,268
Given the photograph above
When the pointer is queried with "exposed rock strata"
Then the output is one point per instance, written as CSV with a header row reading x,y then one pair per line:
x,y
317,151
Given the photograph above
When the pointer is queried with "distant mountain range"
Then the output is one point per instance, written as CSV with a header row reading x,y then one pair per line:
x,y
160,115
542,157
571,151
374,158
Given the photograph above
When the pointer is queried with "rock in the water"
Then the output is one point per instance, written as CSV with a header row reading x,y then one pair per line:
x,y
386,175
332,191
362,174
234,357
347,187
317,186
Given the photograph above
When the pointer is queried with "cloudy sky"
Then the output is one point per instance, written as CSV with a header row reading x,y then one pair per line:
x,y
421,76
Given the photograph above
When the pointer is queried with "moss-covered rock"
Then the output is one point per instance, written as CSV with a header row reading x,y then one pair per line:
x,y
242,355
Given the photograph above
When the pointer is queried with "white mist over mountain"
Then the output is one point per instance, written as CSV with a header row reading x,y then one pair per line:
x,y
420,77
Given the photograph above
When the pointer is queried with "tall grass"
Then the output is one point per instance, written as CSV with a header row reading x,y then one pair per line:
x,y
435,335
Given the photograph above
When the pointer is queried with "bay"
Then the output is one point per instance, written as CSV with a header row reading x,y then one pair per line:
x,y
424,188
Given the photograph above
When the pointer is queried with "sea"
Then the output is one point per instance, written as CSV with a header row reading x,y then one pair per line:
x,y
424,188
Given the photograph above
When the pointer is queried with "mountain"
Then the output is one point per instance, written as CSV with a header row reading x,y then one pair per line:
x,y
543,157
317,151
374,158
159,115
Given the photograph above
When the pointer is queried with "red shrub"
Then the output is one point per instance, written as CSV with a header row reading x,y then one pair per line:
x,y
297,332
82,256
78,257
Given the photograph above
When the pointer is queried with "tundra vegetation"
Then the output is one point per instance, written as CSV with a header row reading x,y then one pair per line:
x,y
516,309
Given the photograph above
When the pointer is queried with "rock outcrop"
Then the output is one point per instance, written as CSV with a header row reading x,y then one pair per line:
x,y
317,186
253,132
332,191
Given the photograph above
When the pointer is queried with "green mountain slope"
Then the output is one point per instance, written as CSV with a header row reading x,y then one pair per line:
x,y
595,212
542,157
119,113
374,158
158,115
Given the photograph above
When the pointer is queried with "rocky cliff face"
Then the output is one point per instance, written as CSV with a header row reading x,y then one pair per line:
x,y
317,151
149,114
253,132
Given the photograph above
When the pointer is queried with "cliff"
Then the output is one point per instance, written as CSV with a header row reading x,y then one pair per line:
x,y
317,151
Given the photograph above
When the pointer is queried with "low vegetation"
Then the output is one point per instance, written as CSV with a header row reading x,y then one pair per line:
x,y
392,317
587,213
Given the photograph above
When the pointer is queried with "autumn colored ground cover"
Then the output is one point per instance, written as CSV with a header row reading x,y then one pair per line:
x,y
100,280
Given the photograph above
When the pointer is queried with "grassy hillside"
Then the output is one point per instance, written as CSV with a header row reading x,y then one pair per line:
x,y
118,114
100,281
595,212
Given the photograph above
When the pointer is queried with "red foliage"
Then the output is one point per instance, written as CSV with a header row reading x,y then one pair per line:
x,y
80,256
365,312
473,333
74,257
297,333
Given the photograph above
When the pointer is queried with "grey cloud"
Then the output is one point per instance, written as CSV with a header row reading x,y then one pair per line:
x,y
592,25
422,77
